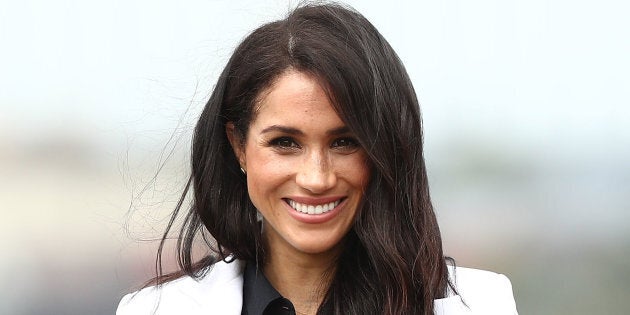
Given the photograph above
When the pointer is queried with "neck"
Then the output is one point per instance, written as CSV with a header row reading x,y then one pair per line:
x,y
301,278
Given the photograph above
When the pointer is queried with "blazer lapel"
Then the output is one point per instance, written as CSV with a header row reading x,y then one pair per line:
x,y
221,290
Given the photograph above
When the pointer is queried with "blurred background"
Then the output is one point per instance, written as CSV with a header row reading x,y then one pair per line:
x,y
527,139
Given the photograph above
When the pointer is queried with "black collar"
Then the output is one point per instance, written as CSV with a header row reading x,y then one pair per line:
x,y
261,298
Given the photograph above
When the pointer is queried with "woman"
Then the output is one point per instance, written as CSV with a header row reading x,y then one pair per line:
x,y
308,174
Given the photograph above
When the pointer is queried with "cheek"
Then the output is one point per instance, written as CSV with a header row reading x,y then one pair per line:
x,y
265,175
265,167
357,171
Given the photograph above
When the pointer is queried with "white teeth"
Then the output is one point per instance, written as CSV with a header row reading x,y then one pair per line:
x,y
318,209
313,209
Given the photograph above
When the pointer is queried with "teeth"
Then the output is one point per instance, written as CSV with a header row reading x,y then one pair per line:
x,y
313,209
318,209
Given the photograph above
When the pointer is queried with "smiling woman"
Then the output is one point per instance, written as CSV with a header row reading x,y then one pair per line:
x,y
308,173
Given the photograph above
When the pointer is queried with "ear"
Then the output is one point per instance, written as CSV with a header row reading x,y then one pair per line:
x,y
235,142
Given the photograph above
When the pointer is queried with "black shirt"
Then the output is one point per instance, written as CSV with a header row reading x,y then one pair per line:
x,y
261,298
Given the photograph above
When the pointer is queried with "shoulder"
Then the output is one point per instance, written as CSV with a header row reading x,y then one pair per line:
x,y
479,292
220,289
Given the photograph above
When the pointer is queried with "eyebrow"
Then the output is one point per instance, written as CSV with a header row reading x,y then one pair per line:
x,y
295,131
338,131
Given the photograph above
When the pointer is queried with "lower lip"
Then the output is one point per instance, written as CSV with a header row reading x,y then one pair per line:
x,y
316,218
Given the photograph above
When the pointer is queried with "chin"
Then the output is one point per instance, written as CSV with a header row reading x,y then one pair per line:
x,y
318,246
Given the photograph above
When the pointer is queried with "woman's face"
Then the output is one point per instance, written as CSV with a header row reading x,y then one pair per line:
x,y
306,173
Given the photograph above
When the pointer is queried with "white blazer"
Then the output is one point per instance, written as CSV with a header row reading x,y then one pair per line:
x,y
221,292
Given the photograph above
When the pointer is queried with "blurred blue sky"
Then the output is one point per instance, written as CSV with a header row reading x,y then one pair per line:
x,y
519,70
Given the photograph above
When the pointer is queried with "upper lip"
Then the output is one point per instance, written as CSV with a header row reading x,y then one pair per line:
x,y
315,201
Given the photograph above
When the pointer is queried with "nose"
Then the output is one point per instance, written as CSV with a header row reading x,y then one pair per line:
x,y
316,173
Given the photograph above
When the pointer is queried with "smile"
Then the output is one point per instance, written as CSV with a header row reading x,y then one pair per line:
x,y
312,209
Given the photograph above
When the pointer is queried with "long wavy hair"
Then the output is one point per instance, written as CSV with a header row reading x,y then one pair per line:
x,y
392,261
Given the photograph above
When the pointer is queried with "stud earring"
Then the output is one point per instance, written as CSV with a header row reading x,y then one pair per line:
x,y
243,171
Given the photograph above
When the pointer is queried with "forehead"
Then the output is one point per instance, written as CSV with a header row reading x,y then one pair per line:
x,y
295,96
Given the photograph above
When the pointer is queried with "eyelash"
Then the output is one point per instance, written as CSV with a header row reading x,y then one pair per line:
x,y
285,143
289,144
351,143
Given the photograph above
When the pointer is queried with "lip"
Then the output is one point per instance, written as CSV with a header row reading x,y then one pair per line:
x,y
315,218
315,201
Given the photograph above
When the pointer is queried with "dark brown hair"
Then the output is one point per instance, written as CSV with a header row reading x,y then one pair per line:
x,y
392,261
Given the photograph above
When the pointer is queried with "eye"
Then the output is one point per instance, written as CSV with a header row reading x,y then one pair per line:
x,y
346,143
284,143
